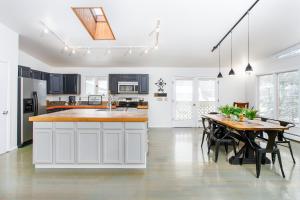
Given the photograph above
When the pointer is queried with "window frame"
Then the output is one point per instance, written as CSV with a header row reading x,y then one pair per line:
x,y
276,91
97,78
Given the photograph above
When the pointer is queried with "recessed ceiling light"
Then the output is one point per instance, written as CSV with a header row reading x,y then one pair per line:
x,y
73,51
66,48
130,51
88,51
146,51
108,51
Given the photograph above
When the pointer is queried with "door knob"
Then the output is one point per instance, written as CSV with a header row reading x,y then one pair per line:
x,y
5,112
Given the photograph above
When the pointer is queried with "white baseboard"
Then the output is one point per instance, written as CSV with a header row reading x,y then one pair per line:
x,y
12,148
90,166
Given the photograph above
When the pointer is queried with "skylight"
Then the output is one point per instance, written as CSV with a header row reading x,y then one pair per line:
x,y
95,22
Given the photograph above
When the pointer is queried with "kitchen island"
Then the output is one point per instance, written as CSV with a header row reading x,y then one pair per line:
x,y
90,138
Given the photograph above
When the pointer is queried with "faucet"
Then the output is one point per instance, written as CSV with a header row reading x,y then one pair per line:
x,y
109,98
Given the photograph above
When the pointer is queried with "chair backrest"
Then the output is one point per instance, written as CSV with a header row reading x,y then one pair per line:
x,y
205,123
241,105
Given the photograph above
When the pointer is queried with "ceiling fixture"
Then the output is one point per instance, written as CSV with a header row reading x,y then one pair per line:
x,y
69,47
220,74
231,72
73,51
249,67
88,51
146,51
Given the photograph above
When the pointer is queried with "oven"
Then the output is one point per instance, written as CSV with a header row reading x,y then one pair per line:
x,y
128,87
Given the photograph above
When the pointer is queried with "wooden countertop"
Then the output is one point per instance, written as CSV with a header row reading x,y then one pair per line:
x,y
79,107
92,115
250,125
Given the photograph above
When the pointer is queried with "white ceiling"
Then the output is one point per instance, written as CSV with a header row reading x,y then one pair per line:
x,y
189,30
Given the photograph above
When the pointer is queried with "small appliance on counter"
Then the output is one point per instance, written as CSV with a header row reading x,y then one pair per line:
x,y
94,99
72,100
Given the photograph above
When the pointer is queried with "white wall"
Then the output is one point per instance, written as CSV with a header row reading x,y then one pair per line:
x,y
160,112
29,61
9,48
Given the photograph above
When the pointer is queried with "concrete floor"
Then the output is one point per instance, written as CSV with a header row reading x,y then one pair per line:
x,y
177,169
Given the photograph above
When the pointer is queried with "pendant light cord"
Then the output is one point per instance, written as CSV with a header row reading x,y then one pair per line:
x,y
231,50
219,58
248,37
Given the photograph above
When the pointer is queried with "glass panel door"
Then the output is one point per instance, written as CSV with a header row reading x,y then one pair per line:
x,y
183,102
193,97
207,98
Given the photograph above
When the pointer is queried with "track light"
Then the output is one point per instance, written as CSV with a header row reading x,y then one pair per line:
x,y
46,30
66,48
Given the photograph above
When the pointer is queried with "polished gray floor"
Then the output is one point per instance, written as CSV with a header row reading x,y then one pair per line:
x,y
177,169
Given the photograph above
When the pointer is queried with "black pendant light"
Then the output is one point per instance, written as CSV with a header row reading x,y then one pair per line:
x,y
220,74
249,68
231,72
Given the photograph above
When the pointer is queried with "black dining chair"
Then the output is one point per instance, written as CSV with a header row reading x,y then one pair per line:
x,y
206,129
220,135
261,152
281,139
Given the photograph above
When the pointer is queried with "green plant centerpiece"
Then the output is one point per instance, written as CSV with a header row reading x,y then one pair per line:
x,y
236,113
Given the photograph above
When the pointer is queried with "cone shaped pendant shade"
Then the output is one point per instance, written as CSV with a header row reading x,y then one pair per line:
x,y
231,72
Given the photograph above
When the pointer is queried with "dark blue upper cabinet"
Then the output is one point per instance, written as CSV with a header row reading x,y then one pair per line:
x,y
143,83
72,83
55,84
142,79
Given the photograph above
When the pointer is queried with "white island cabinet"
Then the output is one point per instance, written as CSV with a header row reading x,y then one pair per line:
x,y
86,144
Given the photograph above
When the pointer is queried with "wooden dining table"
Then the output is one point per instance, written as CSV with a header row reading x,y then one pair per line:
x,y
247,131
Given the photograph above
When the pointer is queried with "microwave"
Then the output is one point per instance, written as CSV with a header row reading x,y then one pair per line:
x,y
128,87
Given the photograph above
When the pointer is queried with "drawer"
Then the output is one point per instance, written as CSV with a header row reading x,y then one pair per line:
x,y
64,125
42,125
88,125
135,125
112,125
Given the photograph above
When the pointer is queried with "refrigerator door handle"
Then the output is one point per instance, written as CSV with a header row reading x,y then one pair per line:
x,y
35,103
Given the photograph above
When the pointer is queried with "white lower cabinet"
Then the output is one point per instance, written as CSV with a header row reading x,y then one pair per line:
x,y
42,146
88,145
64,146
113,145
134,146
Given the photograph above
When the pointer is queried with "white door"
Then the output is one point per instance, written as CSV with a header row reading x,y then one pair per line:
x,y
4,119
193,97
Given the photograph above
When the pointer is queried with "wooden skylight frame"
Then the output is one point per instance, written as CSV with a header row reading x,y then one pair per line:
x,y
95,22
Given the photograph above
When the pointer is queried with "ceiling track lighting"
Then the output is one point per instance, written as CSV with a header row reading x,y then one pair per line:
x,y
249,67
220,74
231,72
87,50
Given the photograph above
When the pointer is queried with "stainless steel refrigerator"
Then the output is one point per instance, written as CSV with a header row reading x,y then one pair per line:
x,y
32,94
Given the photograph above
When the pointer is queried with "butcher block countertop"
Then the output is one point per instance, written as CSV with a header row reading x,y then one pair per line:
x,y
93,115
79,107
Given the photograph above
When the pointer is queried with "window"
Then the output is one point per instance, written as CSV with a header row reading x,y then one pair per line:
x,y
278,96
266,96
288,89
96,86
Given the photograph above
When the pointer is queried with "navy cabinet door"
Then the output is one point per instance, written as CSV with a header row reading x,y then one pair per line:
x,y
55,84
113,83
72,84
143,84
